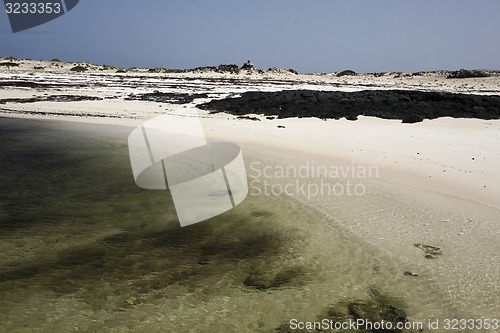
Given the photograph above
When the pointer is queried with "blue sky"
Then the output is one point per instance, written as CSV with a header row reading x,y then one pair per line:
x,y
309,36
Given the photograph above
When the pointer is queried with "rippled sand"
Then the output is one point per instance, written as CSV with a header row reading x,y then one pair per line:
x,y
82,248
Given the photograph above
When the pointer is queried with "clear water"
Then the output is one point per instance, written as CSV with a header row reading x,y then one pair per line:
x,y
82,248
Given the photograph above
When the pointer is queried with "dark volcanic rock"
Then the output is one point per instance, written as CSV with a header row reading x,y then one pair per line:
x,y
265,280
248,118
228,69
259,281
431,252
365,313
27,84
248,66
51,98
409,106
376,313
276,70
160,97
464,74
233,69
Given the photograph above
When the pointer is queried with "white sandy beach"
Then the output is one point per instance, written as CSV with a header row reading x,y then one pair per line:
x,y
437,181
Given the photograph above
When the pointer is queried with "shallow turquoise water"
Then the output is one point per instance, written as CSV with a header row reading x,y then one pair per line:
x,y
82,248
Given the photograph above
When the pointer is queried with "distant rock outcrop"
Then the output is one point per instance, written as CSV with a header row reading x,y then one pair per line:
x,y
232,69
165,97
276,70
248,66
464,74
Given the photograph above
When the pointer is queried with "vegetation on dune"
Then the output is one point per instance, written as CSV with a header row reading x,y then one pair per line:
x,y
79,69
9,64
464,74
55,60
121,70
346,72
164,70
170,70
107,67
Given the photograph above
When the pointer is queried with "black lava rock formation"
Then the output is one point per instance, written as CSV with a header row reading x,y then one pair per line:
x,y
233,69
165,97
248,66
409,106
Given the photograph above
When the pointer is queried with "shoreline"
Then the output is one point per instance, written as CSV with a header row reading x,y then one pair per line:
x,y
464,230
403,172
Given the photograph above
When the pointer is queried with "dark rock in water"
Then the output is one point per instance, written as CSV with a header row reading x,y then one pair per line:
x,y
261,213
259,281
337,314
431,252
375,313
285,328
287,276
248,118
267,280
270,118
281,126
408,273
409,106
204,261
372,312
